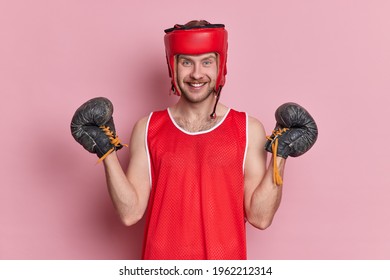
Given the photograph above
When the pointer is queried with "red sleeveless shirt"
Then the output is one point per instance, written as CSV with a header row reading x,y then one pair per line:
x,y
196,206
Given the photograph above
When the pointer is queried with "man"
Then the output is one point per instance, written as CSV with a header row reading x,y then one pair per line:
x,y
198,176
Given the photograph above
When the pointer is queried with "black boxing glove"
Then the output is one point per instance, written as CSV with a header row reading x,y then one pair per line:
x,y
93,127
294,134
295,131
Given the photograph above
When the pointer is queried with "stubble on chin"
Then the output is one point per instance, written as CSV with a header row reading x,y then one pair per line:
x,y
194,98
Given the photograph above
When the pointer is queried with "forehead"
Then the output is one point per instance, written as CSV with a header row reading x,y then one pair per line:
x,y
198,56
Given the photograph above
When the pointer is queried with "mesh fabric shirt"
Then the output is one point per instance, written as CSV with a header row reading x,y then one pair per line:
x,y
196,205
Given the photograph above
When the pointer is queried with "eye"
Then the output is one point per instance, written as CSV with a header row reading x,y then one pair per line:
x,y
185,62
208,62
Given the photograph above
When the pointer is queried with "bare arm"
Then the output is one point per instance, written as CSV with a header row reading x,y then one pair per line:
x,y
130,192
262,196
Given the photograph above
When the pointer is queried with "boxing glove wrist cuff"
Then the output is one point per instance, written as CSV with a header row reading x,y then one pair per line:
x,y
274,138
114,140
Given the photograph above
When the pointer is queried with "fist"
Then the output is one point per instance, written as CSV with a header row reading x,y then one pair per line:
x,y
93,127
295,131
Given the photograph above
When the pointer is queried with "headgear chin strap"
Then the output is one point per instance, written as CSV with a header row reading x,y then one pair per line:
x,y
196,40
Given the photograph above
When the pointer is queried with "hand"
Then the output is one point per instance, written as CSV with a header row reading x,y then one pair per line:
x,y
295,130
294,134
93,127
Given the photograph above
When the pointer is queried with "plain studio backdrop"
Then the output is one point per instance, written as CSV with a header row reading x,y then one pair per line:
x,y
332,57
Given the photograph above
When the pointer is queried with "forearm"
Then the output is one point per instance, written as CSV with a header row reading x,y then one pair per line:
x,y
123,194
266,197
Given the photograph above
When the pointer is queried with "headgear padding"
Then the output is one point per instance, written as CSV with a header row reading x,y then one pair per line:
x,y
196,40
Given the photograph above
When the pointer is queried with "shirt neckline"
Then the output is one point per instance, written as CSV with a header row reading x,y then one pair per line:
x,y
198,132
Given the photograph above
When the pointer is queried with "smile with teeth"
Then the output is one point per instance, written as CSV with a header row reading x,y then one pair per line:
x,y
196,85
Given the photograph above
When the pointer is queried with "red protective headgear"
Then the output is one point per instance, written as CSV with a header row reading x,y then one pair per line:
x,y
195,40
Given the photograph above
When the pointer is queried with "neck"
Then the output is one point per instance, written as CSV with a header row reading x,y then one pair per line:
x,y
194,111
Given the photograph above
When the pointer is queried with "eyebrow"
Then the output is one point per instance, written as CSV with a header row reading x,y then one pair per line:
x,y
183,56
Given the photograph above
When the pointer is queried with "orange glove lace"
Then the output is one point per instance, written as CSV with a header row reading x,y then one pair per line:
x,y
274,144
113,140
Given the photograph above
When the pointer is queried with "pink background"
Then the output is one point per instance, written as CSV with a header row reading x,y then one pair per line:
x,y
331,56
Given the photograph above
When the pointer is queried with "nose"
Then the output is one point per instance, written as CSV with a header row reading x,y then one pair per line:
x,y
196,72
